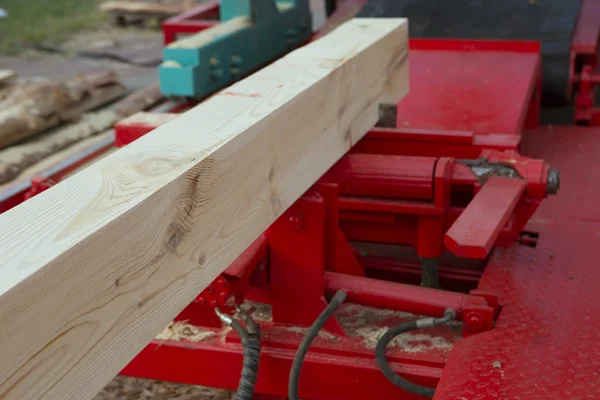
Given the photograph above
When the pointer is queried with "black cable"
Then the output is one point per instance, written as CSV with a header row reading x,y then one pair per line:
x,y
381,358
239,329
251,346
331,308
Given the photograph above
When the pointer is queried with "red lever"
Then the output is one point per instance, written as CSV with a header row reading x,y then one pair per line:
x,y
474,233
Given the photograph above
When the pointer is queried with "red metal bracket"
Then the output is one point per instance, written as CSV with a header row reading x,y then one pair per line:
x,y
476,230
296,248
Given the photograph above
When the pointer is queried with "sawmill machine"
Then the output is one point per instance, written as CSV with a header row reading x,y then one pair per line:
x,y
441,257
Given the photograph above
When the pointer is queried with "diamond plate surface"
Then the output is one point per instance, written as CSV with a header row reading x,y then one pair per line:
x,y
546,343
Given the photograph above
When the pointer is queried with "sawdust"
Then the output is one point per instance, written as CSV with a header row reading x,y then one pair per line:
x,y
181,330
408,342
361,321
353,317
260,312
322,333
126,388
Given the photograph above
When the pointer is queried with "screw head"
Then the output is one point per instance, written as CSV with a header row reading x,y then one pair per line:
x,y
474,321
201,300
296,222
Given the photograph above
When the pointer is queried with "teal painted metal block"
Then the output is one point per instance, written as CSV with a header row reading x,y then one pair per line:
x,y
251,34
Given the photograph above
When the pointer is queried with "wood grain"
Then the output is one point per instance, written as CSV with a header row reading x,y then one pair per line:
x,y
93,268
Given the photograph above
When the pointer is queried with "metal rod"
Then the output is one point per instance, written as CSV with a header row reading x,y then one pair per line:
x,y
397,296
430,273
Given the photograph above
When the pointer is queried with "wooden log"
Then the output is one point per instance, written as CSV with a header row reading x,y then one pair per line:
x,y
144,7
7,76
138,101
101,262
15,159
60,156
41,104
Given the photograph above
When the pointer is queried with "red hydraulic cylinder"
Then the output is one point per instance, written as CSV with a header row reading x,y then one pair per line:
x,y
398,296
383,176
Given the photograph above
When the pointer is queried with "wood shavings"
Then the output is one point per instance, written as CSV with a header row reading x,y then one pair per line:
x,y
354,316
303,331
258,311
181,330
361,321
408,342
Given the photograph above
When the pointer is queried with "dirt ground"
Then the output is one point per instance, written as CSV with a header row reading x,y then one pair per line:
x,y
125,388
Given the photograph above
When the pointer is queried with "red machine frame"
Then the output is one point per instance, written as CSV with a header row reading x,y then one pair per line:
x,y
423,193
417,186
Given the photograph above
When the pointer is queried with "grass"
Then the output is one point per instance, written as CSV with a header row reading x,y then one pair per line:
x,y
47,21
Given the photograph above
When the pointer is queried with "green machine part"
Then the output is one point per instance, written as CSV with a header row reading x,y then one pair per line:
x,y
251,34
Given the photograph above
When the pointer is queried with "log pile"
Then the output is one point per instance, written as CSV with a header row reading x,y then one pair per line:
x,y
128,12
16,159
29,107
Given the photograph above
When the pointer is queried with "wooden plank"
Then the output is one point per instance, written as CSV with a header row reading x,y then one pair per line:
x,y
93,268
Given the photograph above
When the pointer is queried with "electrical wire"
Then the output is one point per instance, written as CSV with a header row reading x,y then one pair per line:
x,y
251,345
331,308
384,366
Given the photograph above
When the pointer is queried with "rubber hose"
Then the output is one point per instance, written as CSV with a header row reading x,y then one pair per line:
x,y
331,308
387,370
251,346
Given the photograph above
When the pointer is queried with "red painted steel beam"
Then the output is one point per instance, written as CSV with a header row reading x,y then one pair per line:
x,y
475,231
397,296
331,375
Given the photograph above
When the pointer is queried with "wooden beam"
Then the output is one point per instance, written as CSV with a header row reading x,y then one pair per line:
x,y
93,268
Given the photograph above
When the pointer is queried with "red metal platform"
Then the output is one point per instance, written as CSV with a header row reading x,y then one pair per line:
x,y
545,342
484,87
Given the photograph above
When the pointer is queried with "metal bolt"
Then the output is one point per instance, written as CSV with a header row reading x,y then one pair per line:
x,y
296,222
474,321
201,301
553,181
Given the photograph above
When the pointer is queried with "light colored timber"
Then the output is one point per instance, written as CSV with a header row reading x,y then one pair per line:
x,y
93,268
7,75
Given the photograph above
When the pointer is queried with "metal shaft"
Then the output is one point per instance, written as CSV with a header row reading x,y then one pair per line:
x,y
429,273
